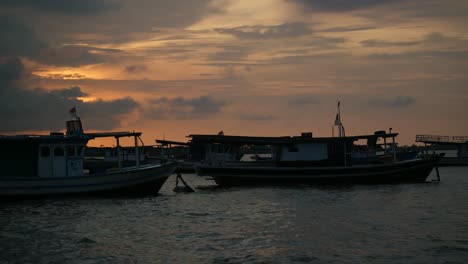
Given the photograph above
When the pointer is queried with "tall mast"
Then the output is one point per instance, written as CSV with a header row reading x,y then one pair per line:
x,y
341,130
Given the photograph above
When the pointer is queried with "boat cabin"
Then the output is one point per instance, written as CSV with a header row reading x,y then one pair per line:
x,y
54,155
303,150
42,156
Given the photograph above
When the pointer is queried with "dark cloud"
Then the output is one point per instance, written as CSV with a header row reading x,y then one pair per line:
x,y
230,53
17,38
341,5
287,30
69,93
307,59
58,6
106,22
422,55
348,29
136,69
39,109
10,71
434,38
377,43
397,102
75,55
324,42
437,38
184,108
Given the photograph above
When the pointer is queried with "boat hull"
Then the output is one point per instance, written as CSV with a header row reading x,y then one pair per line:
x,y
144,180
413,171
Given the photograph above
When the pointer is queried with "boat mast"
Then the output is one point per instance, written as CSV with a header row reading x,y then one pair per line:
x,y
338,123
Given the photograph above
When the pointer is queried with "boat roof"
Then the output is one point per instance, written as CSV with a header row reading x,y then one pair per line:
x,y
46,138
170,142
248,140
114,134
60,137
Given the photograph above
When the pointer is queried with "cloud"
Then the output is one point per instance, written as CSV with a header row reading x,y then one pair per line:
x,y
69,7
377,43
10,71
75,55
18,38
132,69
397,102
422,55
286,30
303,100
434,38
348,29
230,53
184,108
24,109
256,117
341,5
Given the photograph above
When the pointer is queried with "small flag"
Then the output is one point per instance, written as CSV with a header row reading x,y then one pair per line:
x,y
73,112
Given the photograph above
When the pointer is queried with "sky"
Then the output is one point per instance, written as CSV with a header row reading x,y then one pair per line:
x,y
259,68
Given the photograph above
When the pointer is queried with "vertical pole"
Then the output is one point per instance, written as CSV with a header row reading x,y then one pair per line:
x,y
137,152
119,156
394,149
385,145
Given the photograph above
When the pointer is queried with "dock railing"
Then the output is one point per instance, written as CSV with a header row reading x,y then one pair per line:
x,y
442,139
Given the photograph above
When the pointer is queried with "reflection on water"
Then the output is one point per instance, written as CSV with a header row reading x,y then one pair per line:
x,y
410,223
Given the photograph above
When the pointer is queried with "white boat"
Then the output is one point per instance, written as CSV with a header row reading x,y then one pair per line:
x,y
54,164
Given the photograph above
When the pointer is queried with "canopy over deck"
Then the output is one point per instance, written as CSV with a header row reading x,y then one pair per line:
x,y
248,140
170,142
114,134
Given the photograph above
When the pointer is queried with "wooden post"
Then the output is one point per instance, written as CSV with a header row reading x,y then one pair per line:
x,y
137,152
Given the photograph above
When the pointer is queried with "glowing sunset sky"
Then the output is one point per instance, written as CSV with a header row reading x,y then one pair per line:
x,y
260,68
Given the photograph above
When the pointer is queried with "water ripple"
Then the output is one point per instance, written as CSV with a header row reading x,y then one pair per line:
x,y
414,223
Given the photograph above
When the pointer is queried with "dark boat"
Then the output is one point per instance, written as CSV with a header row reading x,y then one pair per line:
x,y
54,164
410,171
307,159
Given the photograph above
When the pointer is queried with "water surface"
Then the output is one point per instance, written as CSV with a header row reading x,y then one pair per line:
x,y
408,223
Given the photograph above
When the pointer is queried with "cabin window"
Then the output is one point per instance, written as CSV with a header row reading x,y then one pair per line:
x,y
70,151
45,151
59,152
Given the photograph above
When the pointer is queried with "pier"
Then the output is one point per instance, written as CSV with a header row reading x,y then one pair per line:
x,y
461,143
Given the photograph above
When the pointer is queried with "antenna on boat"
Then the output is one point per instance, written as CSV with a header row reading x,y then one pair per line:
x,y
338,123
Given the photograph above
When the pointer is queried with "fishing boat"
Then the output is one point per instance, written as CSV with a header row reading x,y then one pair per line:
x,y
305,160
308,159
55,164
